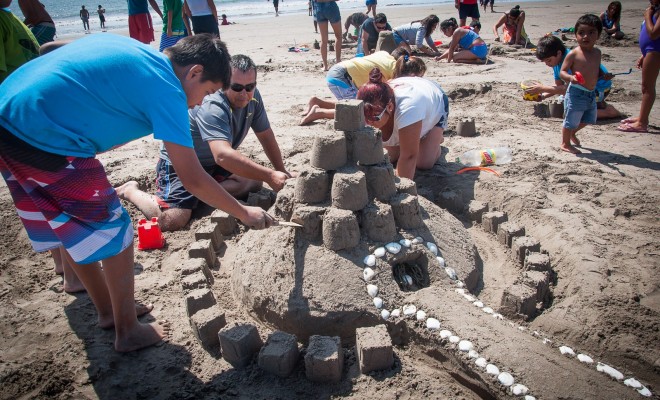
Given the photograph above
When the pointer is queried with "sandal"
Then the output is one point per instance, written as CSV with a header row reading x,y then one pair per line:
x,y
630,128
629,120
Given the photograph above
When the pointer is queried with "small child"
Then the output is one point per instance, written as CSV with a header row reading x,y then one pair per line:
x,y
584,62
101,12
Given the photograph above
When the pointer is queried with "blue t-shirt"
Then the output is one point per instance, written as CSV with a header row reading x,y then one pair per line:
x,y
601,85
94,94
137,7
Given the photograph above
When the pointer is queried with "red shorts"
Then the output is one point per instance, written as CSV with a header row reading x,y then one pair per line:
x,y
141,28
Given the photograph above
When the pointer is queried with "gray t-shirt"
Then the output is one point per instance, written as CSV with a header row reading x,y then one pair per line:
x,y
413,33
215,120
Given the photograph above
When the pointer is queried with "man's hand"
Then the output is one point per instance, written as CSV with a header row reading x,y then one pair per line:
x,y
537,89
608,76
257,218
278,179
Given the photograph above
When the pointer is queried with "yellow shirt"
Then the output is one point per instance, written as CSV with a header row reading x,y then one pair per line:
x,y
358,68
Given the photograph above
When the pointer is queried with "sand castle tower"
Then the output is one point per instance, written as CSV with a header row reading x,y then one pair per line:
x,y
368,240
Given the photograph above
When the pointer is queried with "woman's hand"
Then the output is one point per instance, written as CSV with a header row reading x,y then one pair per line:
x,y
640,62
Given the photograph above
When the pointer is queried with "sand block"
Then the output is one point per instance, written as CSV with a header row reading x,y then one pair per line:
x,y
194,265
280,354
523,244
203,249
506,231
476,210
541,110
340,229
239,344
518,300
380,181
284,201
374,348
311,218
466,127
405,185
329,151
349,189
194,281
349,115
450,200
406,211
263,199
539,281
206,324
312,186
537,261
386,41
491,220
365,146
556,109
324,359
226,223
199,299
210,231
378,222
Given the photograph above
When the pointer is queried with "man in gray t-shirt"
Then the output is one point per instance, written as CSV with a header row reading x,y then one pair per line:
x,y
218,127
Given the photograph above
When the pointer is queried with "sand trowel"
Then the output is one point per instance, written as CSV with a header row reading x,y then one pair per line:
x,y
292,224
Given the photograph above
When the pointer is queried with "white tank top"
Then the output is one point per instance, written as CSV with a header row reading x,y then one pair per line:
x,y
199,7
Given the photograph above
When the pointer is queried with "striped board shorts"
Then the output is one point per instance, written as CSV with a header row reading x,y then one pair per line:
x,y
64,202
44,32
169,41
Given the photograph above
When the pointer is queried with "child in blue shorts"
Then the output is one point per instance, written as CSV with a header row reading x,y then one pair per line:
x,y
581,95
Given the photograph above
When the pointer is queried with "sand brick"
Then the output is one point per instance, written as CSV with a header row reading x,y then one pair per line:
x,y
539,281
324,359
239,344
476,209
365,146
193,265
406,211
340,229
374,348
206,324
518,300
506,231
378,222
537,261
450,200
491,220
284,201
380,181
311,218
349,115
521,245
210,231
405,185
466,127
199,299
349,190
202,249
329,151
194,281
312,186
226,223
280,354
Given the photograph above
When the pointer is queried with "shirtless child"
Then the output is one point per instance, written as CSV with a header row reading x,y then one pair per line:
x,y
580,100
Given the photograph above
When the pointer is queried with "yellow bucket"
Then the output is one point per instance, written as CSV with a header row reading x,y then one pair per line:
x,y
526,84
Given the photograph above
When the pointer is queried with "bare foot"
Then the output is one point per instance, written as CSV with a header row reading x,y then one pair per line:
x,y
569,148
73,285
310,116
123,190
59,270
141,336
140,310
575,140
310,104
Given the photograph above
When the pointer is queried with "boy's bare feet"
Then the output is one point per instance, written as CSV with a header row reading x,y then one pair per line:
x,y
310,115
575,140
569,148
123,190
141,336
311,103
72,285
140,310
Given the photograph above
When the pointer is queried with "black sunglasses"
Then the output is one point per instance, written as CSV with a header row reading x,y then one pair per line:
x,y
239,88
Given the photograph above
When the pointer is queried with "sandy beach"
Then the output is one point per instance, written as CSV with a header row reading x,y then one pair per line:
x,y
596,216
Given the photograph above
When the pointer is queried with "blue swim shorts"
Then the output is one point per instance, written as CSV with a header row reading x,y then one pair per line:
x,y
371,2
480,50
328,11
397,38
579,106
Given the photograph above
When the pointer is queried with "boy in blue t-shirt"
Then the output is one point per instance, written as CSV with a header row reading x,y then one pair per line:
x,y
52,128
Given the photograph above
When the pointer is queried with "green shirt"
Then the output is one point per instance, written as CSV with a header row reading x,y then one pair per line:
x,y
176,6
17,44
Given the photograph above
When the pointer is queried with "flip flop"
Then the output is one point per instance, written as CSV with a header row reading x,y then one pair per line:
x,y
628,120
630,128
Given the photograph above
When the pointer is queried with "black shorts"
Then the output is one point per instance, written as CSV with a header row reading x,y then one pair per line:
x,y
205,24
468,10
170,191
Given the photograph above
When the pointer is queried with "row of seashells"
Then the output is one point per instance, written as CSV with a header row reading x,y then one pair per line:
x,y
433,324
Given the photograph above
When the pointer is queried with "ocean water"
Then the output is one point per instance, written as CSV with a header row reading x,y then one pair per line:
x,y
66,15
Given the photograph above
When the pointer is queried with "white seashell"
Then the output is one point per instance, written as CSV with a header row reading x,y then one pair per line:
x,y
465,345
521,328
432,247
372,290
405,242
407,279
469,297
368,273
492,369
396,313
451,273
441,261
460,291
478,304
421,315
459,284
454,339
546,340
536,333
487,310
379,252
505,379
385,314
417,240
432,323
519,390
600,367
645,392
378,302
566,350
528,397
370,260
633,383
481,362
393,247
473,354
409,309
585,358
444,334
498,316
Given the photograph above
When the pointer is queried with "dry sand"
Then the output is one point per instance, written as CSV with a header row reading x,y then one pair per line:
x,y
596,215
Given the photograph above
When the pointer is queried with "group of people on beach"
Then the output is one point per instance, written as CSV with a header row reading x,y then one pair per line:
x,y
84,17
67,204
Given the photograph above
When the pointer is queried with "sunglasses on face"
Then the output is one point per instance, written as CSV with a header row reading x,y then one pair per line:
x,y
378,117
381,27
239,88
